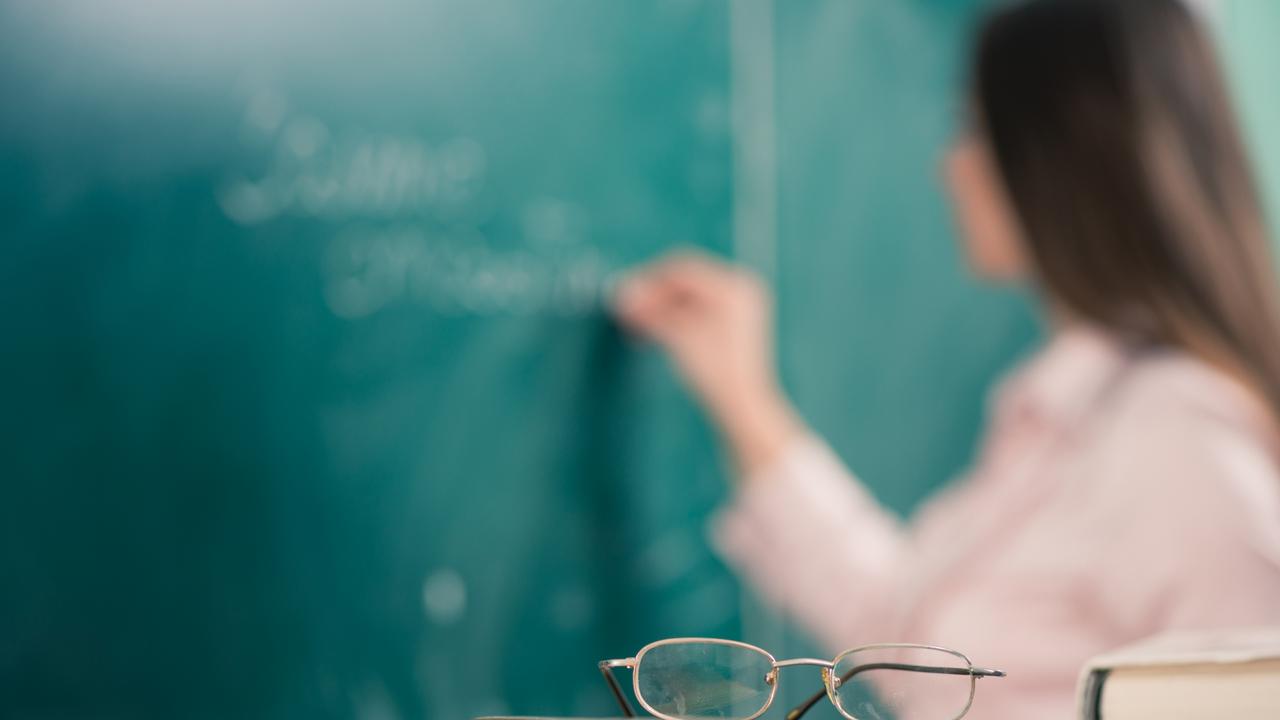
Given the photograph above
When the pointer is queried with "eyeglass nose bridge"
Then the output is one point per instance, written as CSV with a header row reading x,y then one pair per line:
x,y
826,665
803,661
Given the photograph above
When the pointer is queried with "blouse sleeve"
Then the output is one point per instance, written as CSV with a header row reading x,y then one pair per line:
x,y
814,543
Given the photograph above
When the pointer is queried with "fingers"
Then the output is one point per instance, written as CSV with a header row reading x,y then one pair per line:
x,y
653,307
686,274
658,299
695,275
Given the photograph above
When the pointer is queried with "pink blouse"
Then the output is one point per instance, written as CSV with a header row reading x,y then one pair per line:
x,y
1114,496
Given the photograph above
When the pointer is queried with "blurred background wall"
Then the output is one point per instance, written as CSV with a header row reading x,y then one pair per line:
x,y
311,408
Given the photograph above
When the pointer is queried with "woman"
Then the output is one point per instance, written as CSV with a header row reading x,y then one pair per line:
x,y
1128,482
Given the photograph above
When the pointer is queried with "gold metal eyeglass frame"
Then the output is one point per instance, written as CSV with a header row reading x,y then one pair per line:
x,y
831,682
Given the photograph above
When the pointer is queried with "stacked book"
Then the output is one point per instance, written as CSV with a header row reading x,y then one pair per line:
x,y
1187,676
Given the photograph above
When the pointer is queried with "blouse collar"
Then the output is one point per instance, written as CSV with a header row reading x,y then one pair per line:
x,y
1061,381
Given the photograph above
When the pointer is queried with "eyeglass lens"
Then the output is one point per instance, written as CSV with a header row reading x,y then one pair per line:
x,y
903,684
704,680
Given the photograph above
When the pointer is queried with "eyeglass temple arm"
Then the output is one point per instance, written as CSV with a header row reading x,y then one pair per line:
x,y
805,706
606,669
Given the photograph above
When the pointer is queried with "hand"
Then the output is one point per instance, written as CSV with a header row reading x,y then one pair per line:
x,y
715,321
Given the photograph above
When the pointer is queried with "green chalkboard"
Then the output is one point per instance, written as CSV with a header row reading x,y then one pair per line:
x,y
1245,31
311,409
894,368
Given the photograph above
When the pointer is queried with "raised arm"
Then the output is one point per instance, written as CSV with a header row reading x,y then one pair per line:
x,y
801,527
715,322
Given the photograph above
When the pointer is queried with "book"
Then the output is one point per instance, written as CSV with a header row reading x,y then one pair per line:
x,y
1186,676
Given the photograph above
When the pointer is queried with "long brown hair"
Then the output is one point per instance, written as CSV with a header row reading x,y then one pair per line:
x,y
1112,128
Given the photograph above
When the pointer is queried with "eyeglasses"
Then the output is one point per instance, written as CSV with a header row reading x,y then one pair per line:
x,y
701,678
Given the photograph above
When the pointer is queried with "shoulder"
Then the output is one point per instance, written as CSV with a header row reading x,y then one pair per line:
x,y
1172,394
1175,432
1183,468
